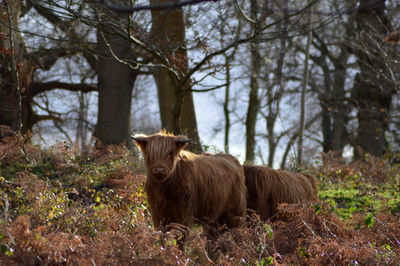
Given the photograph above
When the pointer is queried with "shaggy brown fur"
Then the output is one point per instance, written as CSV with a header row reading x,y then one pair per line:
x,y
186,188
266,188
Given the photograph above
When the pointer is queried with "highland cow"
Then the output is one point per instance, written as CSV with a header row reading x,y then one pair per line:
x,y
185,188
266,188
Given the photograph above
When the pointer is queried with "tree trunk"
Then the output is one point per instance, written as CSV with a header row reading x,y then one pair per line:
x,y
176,103
81,128
335,109
326,126
272,149
254,101
189,123
251,119
270,119
372,90
303,91
115,83
341,109
11,109
227,111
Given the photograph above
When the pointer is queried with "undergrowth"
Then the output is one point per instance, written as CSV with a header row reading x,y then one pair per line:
x,y
57,207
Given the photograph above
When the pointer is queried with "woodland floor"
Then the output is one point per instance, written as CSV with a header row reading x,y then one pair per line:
x,y
60,208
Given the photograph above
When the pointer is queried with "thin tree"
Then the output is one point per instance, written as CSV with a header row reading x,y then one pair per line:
x,y
303,91
254,102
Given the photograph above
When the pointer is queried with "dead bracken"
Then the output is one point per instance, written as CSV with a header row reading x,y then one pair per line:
x,y
62,209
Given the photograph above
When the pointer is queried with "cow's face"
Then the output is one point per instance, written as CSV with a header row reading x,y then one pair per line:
x,y
161,153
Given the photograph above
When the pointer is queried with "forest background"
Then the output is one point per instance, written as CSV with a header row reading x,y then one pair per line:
x,y
258,76
290,84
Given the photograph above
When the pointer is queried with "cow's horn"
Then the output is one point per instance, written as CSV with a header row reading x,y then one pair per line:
x,y
139,138
183,141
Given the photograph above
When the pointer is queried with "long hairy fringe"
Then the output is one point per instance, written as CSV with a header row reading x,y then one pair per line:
x,y
159,144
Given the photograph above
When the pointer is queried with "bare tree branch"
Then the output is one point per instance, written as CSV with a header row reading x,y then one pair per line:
x,y
38,87
65,26
340,99
48,117
57,125
210,89
127,9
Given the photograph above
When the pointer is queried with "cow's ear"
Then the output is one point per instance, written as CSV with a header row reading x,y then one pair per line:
x,y
182,143
140,142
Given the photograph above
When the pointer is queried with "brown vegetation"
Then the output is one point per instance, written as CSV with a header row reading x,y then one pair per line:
x,y
303,236
53,211
370,167
266,188
186,188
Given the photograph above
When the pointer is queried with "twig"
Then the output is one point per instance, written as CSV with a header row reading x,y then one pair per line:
x,y
124,62
327,228
6,208
210,89
243,14
312,231
397,241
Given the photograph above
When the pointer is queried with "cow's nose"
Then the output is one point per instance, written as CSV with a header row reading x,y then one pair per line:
x,y
158,170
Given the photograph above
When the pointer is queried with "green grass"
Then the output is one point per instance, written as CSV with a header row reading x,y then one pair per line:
x,y
352,191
